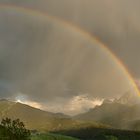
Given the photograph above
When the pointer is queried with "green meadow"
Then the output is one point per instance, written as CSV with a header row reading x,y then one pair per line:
x,y
51,137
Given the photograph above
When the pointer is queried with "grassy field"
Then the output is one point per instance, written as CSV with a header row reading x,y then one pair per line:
x,y
51,137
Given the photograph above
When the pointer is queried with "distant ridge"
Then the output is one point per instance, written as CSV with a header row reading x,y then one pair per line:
x,y
120,113
32,117
129,98
1,100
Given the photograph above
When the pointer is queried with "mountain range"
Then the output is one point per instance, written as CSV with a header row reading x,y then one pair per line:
x,y
119,113
32,117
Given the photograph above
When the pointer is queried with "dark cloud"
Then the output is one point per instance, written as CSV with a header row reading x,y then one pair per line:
x,y
50,65
48,61
7,89
115,22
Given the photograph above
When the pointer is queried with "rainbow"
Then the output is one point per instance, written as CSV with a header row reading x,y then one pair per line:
x,y
92,38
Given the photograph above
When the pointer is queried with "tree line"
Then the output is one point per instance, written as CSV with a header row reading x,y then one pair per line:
x,y
13,130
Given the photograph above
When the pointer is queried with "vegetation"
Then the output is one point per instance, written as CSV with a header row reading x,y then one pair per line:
x,y
35,118
91,133
62,127
51,137
13,130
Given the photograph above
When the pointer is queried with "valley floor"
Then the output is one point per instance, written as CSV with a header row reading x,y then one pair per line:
x,y
101,134
51,137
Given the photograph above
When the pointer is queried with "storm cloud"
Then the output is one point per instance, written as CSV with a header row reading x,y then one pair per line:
x,y
48,62
43,57
114,22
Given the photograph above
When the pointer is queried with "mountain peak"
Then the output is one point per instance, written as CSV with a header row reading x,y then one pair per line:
x,y
129,98
3,100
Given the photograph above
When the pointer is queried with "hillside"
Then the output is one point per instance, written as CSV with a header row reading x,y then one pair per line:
x,y
37,119
121,113
106,113
52,137
92,133
34,118
116,114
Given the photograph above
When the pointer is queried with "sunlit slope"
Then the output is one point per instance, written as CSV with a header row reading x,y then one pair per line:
x,y
32,117
36,119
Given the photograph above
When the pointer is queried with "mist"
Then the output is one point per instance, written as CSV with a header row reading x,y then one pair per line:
x,y
114,22
46,61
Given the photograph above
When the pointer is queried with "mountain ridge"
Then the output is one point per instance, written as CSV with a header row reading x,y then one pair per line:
x,y
118,113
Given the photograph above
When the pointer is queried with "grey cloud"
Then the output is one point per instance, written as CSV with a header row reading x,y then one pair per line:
x,y
48,61
7,89
115,22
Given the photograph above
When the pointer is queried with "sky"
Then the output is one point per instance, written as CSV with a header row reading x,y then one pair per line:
x,y
114,22
49,64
